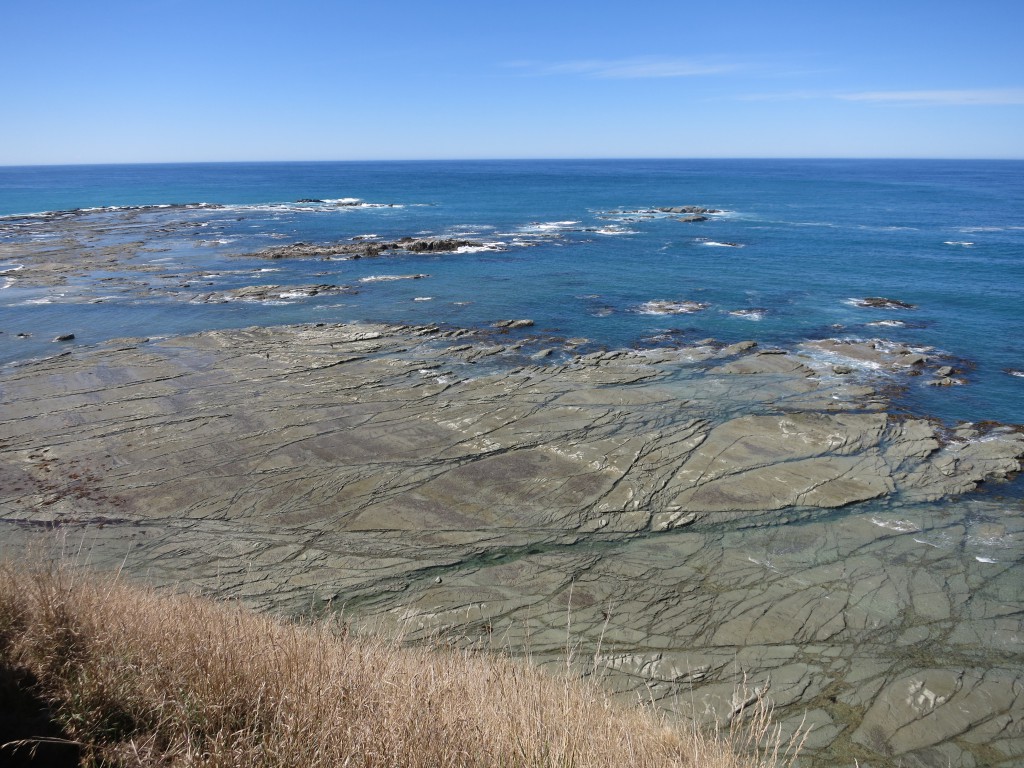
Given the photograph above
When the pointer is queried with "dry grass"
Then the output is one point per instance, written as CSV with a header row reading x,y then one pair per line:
x,y
139,678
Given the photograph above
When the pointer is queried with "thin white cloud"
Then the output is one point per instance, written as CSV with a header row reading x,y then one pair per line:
x,y
969,97
642,67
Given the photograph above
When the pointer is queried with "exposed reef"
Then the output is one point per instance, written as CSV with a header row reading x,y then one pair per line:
x,y
704,514
365,248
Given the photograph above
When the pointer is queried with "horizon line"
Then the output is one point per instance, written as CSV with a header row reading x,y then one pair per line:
x,y
85,164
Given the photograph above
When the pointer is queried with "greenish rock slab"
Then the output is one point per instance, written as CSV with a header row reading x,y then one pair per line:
x,y
692,524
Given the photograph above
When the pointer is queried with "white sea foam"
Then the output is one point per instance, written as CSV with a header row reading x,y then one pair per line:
x,y
12,268
964,243
985,559
615,230
51,299
389,278
549,227
495,246
324,206
670,307
900,526
888,323
716,244
749,314
424,298
7,283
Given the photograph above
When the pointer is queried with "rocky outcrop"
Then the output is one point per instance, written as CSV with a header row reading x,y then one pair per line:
x,y
512,325
269,293
457,486
690,209
661,307
880,302
365,248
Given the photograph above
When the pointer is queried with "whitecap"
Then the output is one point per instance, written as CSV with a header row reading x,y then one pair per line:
x,y
548,227
671,307
12,268
389,278
964,243
45,299
985,559
716,244
749,314
900,526
495,246
424,298
614,230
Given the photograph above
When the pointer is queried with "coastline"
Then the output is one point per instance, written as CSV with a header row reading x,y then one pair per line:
x,y
703,514
505,422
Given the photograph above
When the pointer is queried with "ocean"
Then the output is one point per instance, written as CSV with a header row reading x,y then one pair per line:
x,y
578,247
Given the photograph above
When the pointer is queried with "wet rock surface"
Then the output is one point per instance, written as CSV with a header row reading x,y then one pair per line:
x,y
365,248
880,302
694,517
270,293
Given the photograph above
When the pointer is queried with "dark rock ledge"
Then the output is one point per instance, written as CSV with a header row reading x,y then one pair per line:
x,y
364,248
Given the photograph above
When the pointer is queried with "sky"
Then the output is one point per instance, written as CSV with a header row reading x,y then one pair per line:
x,y
114,81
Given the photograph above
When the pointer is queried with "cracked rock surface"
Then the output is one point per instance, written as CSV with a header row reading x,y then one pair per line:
x,y
693,518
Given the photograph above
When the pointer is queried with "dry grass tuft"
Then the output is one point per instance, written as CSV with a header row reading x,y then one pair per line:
x,y
139,678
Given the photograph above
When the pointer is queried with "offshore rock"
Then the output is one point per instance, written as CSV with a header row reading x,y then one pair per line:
x,y
364,248
269,293
692,209
880,302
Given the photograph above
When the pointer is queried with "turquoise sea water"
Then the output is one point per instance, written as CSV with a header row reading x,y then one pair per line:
x,y
572,245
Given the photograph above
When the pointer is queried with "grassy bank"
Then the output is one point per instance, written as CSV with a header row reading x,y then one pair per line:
x,y
134,678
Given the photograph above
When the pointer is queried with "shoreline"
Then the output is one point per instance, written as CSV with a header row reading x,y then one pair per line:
x,y
540,447
687,507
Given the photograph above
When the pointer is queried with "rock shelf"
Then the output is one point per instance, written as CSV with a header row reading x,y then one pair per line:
x,y
694,517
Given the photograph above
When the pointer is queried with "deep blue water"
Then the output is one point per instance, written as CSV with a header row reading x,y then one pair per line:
x,y
947,236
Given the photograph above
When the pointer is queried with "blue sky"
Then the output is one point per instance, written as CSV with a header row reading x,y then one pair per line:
x,y
182,80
